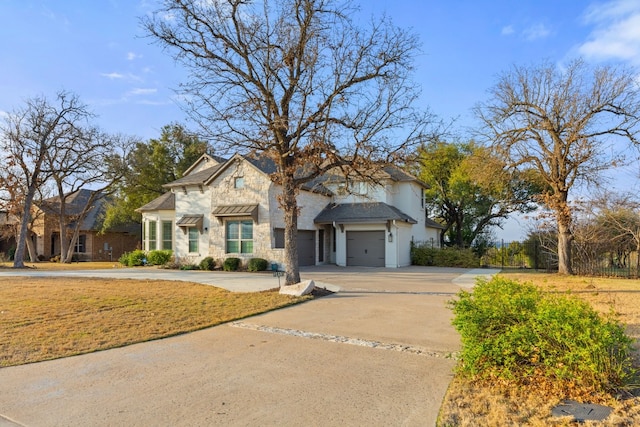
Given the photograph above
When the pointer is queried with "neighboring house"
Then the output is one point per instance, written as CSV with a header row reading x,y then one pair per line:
x,y
91,244
229,208
7,239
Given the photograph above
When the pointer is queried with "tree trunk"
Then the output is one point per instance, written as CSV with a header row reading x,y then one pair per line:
x,y
290,208
565,238
64,240
23,232
33,255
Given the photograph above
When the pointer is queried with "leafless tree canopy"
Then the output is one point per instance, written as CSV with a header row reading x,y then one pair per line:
x,y
296,80
52,141
292,78
567,123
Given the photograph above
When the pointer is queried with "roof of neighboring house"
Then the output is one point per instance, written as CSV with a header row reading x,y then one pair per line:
x,y
75,203
361,212
167,201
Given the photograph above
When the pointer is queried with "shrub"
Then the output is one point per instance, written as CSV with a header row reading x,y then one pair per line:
x,y
514,332
189,267
134,258
231,264
446,257
159,257
257,264
207,264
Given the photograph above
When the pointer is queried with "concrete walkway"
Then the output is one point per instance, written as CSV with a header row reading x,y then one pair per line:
x,y
376,353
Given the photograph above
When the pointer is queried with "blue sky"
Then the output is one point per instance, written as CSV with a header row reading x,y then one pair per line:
x,y
97,50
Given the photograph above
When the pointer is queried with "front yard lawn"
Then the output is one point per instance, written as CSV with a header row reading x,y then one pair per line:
x,y
48,318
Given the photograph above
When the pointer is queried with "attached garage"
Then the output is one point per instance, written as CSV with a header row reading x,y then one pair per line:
x,y
306,247
365,248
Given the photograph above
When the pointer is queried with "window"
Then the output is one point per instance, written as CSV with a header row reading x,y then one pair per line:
x,y
238,182
359,188
278,234
153,236
194,235
423,199
81,244
240,236
167,235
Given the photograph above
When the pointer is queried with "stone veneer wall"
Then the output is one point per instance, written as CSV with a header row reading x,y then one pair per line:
x,y
258,189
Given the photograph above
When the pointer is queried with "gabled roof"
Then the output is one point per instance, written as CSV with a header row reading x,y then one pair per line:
x,y
196,178
75,203
166,201
361,213
206,158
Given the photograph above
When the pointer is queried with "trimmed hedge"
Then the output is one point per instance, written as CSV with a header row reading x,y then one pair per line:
x,y
231,264
257,264
159,257
445,257
134,258
514,332
207,264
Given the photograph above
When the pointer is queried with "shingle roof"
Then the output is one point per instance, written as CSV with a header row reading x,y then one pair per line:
x,y
196,178
431,223
75,203
361,212
167,201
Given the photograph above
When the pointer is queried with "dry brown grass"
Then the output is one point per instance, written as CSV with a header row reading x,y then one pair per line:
x,y
478,404
47,318
46,265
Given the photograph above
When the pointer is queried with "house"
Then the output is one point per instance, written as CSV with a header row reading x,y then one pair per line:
x,y
229,208
92,245
7,239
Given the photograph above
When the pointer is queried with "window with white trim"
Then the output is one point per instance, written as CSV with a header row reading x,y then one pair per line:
x,y
153,235
239,236
167,235
194,236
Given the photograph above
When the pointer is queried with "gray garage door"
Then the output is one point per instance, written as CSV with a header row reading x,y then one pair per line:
x,y
365,248
306,247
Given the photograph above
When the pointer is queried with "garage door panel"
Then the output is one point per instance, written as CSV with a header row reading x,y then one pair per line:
x,y
366,248
306,247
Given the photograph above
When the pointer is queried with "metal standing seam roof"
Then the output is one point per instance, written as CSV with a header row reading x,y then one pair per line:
x,y
361,212
190,221
236,210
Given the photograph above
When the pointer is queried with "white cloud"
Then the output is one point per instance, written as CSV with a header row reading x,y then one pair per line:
x,y
617,31
141,91
132,55
536,31
120,76
113,76
508,30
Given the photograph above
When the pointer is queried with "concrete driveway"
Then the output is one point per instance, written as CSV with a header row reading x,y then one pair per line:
x,y
376,353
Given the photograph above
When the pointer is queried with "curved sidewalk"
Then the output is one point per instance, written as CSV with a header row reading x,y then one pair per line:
x,y
376,353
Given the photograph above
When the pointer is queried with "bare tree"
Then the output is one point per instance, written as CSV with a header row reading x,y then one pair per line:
x,y
297,81
27,136
566,124
88,159
618,219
